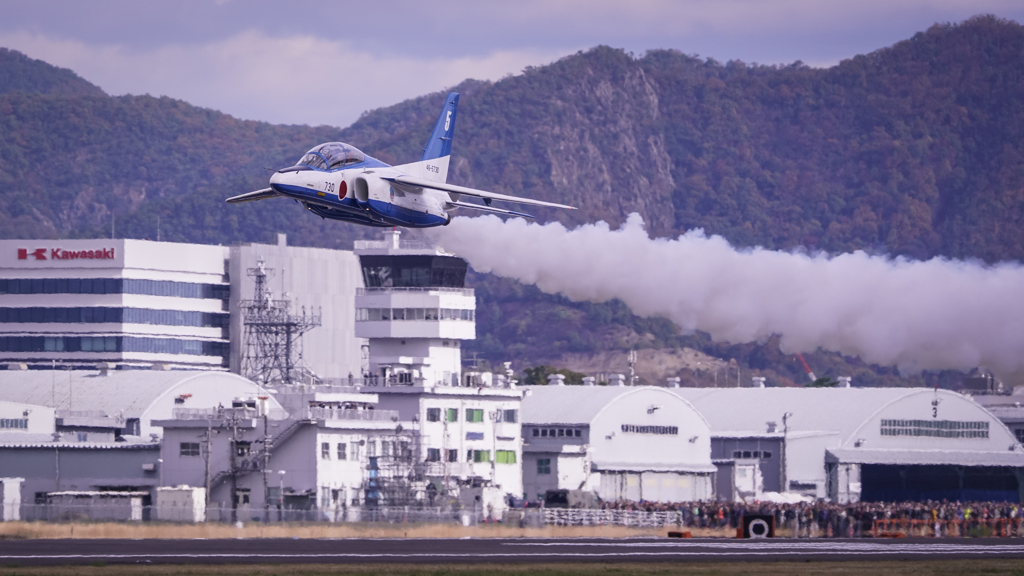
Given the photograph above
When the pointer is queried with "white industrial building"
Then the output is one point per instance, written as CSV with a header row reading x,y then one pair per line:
x,y
852,444
623,443
329,450
75,431
1006,407
128,302
136,303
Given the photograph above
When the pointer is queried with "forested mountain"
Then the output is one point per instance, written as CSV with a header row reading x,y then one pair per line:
x,y
916,149
21,73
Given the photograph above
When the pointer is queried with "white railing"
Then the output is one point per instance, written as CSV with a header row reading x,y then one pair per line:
x,y
386,289
357,415
591,517
80,414
213,413
389,245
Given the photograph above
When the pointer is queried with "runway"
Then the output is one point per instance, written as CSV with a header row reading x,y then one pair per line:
x,y
351,551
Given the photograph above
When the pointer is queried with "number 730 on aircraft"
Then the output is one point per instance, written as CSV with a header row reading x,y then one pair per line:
x,y
337,181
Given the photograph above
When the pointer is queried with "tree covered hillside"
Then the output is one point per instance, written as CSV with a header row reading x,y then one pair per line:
x,y
916,149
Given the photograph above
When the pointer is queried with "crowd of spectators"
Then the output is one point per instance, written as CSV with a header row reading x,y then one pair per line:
x,y
942,518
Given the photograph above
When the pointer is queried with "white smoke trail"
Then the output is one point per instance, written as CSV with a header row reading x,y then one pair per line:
x,y
936,314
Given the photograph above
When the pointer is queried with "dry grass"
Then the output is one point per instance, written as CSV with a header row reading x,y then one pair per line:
x,y
44,530
903,568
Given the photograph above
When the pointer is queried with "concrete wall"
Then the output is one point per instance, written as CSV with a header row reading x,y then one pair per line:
x,y
70,467
317,278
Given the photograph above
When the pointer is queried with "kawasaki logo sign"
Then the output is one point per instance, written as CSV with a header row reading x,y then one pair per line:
x,y
61,254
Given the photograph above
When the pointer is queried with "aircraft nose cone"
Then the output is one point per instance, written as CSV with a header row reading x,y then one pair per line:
x,y
278,178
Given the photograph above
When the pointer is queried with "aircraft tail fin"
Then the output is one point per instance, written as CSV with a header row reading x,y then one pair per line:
x,y
440,144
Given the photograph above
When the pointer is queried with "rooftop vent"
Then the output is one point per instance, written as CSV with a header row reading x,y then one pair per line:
x,y
674,381
616,380
17,366
105,368
556,380
589,381
758,381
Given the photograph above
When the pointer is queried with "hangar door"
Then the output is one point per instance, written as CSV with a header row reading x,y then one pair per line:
x,y
888,483
668,487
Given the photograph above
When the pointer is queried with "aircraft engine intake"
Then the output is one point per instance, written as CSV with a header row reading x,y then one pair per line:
x,y
367,188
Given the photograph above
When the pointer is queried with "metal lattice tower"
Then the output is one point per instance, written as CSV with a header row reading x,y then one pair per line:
x,y
272,334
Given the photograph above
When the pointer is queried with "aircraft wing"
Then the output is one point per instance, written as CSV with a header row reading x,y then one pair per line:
x,y
487,196
487,209
250,196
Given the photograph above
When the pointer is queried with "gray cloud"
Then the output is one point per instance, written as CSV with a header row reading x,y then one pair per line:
x,y
251,58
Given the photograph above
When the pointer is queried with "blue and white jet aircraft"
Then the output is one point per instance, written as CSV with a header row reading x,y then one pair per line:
x,y
337,181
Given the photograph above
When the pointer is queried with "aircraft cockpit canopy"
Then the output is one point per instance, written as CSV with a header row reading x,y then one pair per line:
x,y
332,156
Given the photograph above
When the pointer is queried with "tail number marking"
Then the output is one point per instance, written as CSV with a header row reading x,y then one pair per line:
x,y
434,169
447,120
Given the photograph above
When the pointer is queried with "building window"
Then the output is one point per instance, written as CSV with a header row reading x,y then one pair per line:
x,y
1019,432
241,496
325,451
453,414
453,456
189,449
544,433
536,432
433,454
371,448
577,433
474,415
935,428
113,286
83,436
543,465
481,456
505,457
561,432
433,414
342,451
751,454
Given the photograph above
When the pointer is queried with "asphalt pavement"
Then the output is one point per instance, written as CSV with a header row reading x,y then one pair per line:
x,y
525,550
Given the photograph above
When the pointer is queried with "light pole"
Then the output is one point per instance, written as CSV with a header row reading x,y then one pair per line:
x,y
280,495
785,435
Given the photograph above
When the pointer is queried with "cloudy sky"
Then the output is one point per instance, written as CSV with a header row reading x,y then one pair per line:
x,y
327,62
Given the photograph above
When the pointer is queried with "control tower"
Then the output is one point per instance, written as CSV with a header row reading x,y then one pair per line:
x,y
415,311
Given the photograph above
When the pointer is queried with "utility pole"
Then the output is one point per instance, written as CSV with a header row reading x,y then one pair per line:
x,y
209,448
234,465
785,436
266,461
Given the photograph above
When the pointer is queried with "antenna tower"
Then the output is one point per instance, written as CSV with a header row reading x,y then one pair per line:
x,y
272,334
